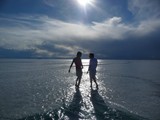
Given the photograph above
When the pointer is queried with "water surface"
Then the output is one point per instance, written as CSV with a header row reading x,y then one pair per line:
x,y
36,89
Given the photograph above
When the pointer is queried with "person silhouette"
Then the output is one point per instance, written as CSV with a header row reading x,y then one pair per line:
x,y
79,67
92,69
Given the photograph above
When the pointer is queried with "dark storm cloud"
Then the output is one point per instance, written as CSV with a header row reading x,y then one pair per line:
x,y
128,49
11,53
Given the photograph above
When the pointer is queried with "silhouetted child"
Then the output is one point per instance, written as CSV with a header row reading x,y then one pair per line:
x,y
92,69
79,67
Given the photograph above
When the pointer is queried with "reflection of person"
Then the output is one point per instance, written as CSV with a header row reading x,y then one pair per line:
x,y
92,69
79,67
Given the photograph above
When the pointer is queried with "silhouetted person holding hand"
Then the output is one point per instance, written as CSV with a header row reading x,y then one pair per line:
x,y
92,69
79,67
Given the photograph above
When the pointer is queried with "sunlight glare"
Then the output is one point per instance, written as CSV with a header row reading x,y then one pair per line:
x,y
84,2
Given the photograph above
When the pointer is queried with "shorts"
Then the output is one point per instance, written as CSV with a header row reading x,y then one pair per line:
x,y
92,74
79,73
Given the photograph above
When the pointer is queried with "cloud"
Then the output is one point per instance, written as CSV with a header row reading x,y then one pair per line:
x,y
51,49
144,9
147,27
45,28
49,37
50,3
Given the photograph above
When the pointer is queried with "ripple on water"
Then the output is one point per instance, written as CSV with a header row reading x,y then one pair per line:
x,y
84,103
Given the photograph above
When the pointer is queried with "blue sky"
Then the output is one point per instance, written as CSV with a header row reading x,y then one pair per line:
x,y
114,29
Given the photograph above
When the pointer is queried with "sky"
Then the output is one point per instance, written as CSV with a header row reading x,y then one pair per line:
x,y
111,29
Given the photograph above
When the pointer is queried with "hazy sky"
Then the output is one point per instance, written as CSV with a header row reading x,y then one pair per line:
x,y
117,29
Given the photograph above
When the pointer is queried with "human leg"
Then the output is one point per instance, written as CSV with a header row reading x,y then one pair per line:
x,y
79,76
95,82
79,81
76,81
91,82
90,75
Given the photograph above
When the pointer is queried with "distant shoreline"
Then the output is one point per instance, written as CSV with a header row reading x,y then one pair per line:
x,y
82,58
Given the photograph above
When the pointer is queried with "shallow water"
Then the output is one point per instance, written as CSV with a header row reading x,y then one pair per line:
x,y
37,89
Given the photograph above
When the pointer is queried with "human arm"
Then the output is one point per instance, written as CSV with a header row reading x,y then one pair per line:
x,y
88,69
70,66
81,65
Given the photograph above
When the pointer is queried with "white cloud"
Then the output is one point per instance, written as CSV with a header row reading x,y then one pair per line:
x,y
147,27
42,28
71,49
43,53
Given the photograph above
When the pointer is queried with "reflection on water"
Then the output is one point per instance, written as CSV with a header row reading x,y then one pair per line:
x,y
44,90
85,104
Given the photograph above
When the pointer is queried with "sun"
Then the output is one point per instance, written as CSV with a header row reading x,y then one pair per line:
x,y
84,3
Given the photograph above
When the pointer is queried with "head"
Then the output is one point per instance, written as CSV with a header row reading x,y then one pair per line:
x,y
91,55
79,54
